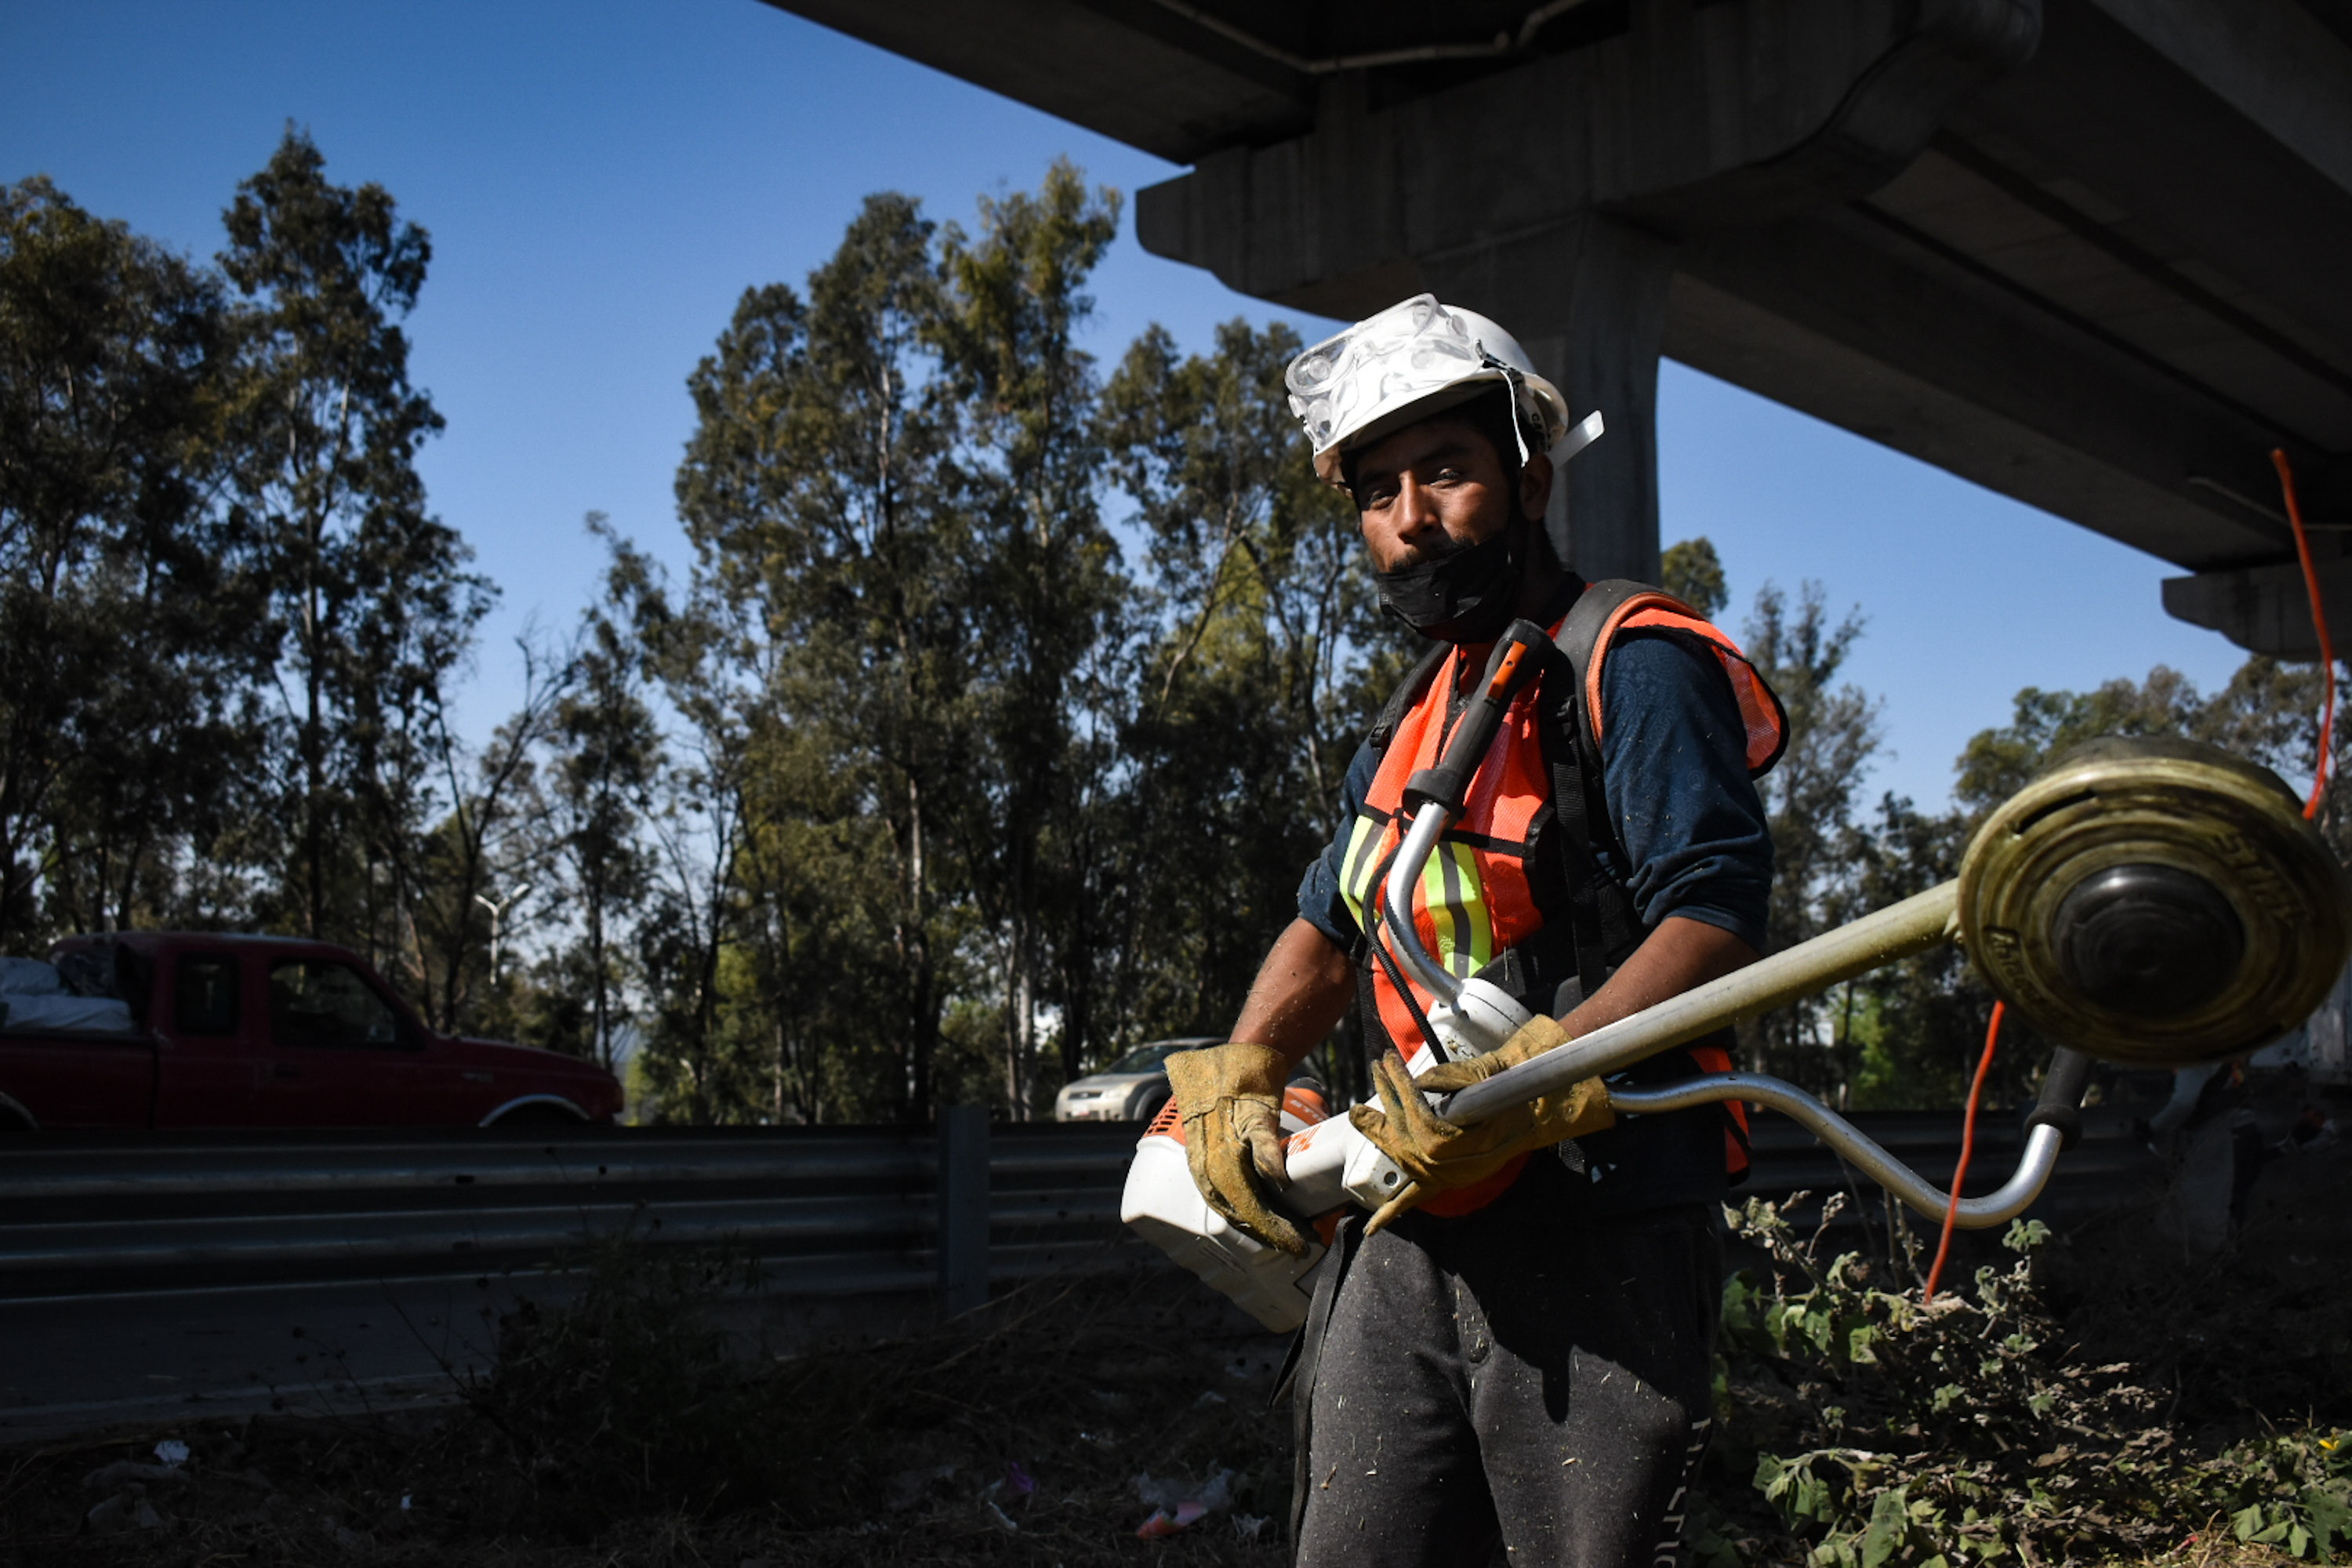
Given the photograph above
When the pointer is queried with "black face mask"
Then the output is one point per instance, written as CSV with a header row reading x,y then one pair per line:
x,y
1463,596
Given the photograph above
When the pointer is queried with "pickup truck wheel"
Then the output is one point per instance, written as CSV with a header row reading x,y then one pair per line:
x,y
538,1116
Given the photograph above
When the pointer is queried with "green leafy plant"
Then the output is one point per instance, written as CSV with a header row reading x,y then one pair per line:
x,y
1972,1430
2292,1491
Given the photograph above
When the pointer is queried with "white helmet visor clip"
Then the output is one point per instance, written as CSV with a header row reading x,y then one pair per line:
x,y
1518,385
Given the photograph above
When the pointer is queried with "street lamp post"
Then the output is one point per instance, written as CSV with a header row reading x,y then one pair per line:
x,y
497,918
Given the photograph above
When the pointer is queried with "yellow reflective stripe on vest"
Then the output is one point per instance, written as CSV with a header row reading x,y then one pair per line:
x,y
1455,898
1451,893
1356,868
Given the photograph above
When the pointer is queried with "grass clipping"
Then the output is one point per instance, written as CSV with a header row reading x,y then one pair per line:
x,y
2039,1416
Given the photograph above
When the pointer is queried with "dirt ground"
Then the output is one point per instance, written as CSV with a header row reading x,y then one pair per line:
x,y
1017,1438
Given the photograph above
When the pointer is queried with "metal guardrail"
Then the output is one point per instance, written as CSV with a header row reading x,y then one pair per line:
x,y
829,1211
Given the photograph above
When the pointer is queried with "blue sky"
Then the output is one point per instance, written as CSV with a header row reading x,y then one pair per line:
x,y
601,180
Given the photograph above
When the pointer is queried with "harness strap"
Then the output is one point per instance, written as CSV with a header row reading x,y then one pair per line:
x,y
1594,608
1607,608
1589,916
1603,910
1606,926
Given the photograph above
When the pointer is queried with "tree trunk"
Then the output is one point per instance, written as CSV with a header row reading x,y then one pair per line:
x,y
314,784
603,1039
923,1021
1077,1007
1021,1016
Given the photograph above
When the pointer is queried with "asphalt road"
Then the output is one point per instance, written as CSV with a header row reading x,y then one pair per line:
x,y
71,1364
86,1364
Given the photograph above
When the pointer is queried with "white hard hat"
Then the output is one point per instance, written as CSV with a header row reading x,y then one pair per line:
x,y
1412,359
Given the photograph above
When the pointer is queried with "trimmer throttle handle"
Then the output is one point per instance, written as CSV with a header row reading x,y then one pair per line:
x,y
1508,670
2061,1102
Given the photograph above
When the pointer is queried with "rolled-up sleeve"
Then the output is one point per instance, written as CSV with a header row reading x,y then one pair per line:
x,y
1673,753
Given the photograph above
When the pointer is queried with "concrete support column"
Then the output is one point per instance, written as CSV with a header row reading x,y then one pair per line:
x,y
1587,298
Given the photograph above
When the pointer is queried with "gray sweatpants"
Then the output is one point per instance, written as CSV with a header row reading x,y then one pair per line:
x,y
1520,1374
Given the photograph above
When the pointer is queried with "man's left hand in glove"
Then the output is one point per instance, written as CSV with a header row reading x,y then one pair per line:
x,y
1437,1156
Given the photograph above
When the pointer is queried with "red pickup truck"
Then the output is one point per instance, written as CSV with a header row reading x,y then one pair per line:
x,y
261,1031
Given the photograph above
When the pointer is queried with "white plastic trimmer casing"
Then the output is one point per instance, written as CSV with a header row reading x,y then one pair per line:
x,y
1479,1020
1167,1210
1332,1165
1164,1206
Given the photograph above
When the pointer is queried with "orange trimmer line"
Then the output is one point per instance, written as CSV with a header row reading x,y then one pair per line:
x,y
1967,1147
2319,624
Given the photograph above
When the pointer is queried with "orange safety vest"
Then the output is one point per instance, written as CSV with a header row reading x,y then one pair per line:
x,y
1475,900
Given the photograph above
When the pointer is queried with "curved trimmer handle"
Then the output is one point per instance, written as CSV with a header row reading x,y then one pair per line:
x,y
1434,799
2061,1093
1333,1162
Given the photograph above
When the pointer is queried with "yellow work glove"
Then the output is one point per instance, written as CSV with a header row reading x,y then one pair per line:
x,y
1437,1156
1230,1098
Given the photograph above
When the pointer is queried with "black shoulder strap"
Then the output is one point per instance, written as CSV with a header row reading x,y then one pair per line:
x,y
1580,632
1601,911
1401,700
1607,926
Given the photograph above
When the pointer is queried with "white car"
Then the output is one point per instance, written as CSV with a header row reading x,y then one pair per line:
x,y
1131,1089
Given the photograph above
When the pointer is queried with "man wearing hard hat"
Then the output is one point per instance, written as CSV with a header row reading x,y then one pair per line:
x,y
1519,1347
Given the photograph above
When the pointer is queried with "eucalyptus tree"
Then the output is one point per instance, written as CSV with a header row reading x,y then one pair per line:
x,y
605,757
488,850
1266,657
1692,571
1047,588
693,823
1810,800
838,571
127,627
370,593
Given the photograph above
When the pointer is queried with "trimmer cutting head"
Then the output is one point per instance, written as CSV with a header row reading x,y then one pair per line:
x,y
2154,904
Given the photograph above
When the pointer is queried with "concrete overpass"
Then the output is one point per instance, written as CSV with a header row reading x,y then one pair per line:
x,y
2093,254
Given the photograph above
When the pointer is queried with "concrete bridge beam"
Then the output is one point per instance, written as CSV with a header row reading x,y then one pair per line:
x,y
2088,253
1554,197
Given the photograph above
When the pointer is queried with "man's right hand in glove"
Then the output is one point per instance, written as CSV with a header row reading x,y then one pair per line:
x,y
1438,1156
1230,1099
